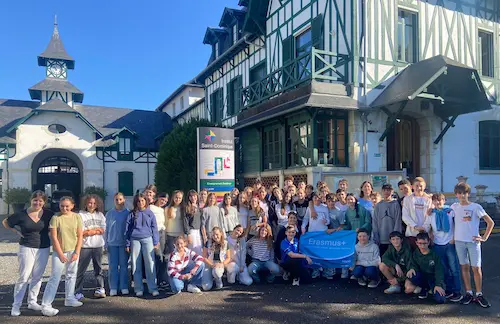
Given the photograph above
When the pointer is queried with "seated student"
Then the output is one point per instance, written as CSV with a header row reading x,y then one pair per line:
x,y
237,267
217,256
386,218
260,249
281,235
292,261
442,226
367,261
185,266
395,262
426,271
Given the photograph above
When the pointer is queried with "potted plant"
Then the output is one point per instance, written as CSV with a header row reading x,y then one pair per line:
x,y
17,197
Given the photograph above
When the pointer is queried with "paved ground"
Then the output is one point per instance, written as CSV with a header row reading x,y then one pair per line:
x,y
321,302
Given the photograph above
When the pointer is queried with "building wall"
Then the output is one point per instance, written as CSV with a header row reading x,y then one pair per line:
x,y
183,101
197,110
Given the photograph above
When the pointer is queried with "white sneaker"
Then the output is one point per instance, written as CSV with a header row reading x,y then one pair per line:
x,y
155,293
125,292
79,296
139,293
113,292
49,311
296,282
34,306
417,290
374,283
286,276
100,293
193,289
72,303
15,311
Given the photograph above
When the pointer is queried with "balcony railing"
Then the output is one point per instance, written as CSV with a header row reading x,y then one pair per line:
x,y
316,65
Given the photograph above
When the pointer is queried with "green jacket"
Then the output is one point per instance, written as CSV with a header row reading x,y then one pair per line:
x,y
364,220
430,264
402,257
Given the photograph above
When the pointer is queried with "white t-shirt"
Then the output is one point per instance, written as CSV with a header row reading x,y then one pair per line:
x,y
440,237
467,219
420,203
93,221
243,216
159,215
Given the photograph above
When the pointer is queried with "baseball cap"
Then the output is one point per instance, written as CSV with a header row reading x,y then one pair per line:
x,y
387,186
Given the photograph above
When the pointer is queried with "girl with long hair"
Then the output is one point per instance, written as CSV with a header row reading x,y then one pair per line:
x,y
94,226
217,256
192,222
185,266
210,218
34,249
257,217
203,198
283,208
242,206
234,196
66,234
141,239
260,249
365,190
237,267
229,214
356,215
174,219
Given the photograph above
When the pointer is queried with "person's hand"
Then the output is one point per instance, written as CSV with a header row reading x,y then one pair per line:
x,y
303,231
357,229
478,239
330,231
325,221
193,271
419,228
429,212
187,276
399,271
74,257
190,240
452,241
351,268
439,290
157,246
410,273
127,250
393,281
309,260
100,231
63,258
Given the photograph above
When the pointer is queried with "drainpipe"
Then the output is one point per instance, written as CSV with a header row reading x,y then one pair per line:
x,y
441,158
365,64
104,172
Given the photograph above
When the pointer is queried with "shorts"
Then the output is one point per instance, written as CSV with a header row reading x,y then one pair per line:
x,y
469,253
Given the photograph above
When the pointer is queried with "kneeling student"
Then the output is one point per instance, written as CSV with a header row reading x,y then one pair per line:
x,y
426,271
291,260
367,261
395,262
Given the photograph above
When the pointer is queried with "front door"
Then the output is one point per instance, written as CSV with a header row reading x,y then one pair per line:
x,y
403,147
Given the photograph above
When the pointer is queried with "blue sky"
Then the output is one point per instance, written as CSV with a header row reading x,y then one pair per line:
x,y
128,53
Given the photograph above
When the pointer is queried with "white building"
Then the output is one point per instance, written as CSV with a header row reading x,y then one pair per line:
x,y
186,102
54,142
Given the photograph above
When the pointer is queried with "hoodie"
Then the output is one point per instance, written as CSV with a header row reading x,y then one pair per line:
x,y
430,265
402,257
116,225
141,224
367,255
386,219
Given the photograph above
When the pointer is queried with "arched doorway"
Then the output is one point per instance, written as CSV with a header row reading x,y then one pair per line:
x,y
403,146
56,170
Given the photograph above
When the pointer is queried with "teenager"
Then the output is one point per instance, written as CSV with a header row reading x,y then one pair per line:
x,y
341,203
94,225
364,195
396,262
217,256
301,205
257,217
292,261
356,215
161,253
203,198
234,196
343,184
34,249
66,234
283,208
414,208
243,208
386,218
174,219
366,261
260,249
114,235
210,218
281,235
142,239
162,200
237,266
192,223
288,182
229,213
185,266
404,187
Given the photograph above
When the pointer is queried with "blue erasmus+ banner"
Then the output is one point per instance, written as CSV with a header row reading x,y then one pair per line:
x,y
334,250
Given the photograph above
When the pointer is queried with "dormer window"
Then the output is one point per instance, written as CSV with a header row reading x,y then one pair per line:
x,y
125,149
235,33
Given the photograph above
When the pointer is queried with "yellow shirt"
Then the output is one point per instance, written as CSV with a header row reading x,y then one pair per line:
x,y
67,227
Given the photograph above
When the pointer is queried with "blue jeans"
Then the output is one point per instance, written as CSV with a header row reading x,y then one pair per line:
x,y
448,255
426,282
371,273
118,267
178,284
258,265
143,248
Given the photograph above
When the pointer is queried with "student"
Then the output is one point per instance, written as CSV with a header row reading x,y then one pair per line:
x,y
414,208
288,182
234,196
386,218
281,235
356,215
66,234
185,266
404,187
237,267
365,191
162,200
192,223
366,261
203,198
257,185
375,197
301,186
211,217
257,217
264,203
142,238
34,249
217,256
426,270
260,249
468,241
161,253
309,192
249,192
94,226
283,208
242,206
441,223
174,219
116,225
229,213
396,262
341,203
337,216
291,260
301,205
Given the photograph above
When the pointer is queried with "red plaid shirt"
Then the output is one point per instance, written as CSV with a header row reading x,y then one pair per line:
x,y
176,264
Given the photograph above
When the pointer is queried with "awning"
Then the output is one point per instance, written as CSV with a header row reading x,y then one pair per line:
x,y
456,89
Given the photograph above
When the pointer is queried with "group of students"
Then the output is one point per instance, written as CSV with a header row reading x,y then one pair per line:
x,y
250,236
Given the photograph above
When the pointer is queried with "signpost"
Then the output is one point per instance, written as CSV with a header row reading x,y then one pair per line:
x,y
216,171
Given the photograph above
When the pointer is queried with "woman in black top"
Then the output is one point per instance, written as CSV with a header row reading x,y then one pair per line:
x,y
34,249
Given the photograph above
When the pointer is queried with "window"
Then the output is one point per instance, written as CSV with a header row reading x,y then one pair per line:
x,y
216,105
124,149
126,183
235,33
57,129
489,145
486,53
173,109
332,140
407,36
258,72
272,140
182,103
299,143
234,96
303,46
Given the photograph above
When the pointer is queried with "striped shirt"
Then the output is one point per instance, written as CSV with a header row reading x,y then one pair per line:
x,y
259,250
176,265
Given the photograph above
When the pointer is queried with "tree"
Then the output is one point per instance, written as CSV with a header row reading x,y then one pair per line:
x,y
176,168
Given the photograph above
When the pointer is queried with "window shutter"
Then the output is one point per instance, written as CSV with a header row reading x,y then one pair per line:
x,y
220,103
317,32
230,98
288,56
237,86
213,107
126,183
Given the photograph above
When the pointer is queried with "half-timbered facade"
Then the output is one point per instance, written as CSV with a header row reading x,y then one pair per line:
x,y
54,142
292,78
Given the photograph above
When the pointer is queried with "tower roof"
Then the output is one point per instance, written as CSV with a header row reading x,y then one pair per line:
x,y
55,50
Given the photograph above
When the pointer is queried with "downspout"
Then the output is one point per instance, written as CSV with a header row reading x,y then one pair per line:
x,y
8,175
365,64
147,164
441,158
104,172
